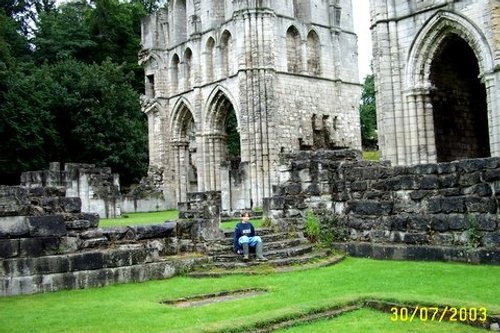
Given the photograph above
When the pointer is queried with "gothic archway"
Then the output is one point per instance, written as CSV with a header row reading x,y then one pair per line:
x,y
459,102
184,151
222,138
448,53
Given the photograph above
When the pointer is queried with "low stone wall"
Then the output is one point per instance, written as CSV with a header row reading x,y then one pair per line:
x,y
451,205
48,244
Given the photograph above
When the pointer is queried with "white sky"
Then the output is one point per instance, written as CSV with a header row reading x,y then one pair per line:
x,y
361,17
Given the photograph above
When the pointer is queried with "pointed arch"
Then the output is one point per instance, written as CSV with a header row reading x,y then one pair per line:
x,y
184,149
218,99
174,73
430,37
447,93
293,52
209,59
313,53
226,48
188,59
181,114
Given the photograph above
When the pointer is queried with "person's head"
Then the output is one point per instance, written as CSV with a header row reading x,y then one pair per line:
x,y
245,216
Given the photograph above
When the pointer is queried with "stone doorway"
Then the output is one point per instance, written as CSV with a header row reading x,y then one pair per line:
x,y
184,153
459,102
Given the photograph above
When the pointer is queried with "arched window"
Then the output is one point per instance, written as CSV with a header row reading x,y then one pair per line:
x,y
188,57
209,59
174,74
313,54
293,50
180,19
226,48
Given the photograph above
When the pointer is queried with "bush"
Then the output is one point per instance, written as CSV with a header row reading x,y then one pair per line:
x,y
313,226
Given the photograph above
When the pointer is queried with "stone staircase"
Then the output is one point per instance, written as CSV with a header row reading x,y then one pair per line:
x,y
284,251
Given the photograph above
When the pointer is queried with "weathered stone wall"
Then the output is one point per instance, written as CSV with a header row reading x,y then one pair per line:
x,y
99,188
266,62
414,43
452,205
48,244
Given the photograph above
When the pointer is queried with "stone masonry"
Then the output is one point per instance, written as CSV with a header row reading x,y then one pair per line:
x,y
285,70
48,244
435,211
437,75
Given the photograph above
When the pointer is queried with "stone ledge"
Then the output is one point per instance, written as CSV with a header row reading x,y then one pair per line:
x,y
420,252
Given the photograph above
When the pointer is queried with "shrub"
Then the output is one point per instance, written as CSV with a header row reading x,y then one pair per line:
x,y
313,226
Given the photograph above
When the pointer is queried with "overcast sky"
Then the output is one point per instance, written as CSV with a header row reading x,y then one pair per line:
x,y
361,17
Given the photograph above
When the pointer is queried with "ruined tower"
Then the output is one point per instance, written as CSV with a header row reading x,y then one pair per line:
x,y
437,76
232,84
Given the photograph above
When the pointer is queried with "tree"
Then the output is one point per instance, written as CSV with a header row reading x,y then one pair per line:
x,y
72,112
368,115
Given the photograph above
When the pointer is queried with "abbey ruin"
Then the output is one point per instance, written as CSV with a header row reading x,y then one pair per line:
x,y
437,75
231,85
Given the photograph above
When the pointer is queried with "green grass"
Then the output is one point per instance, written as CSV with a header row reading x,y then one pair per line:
x,y
140,218
371,155
137,308
367,320
230,225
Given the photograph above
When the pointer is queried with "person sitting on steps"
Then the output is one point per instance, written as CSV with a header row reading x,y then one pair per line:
x,y
244,237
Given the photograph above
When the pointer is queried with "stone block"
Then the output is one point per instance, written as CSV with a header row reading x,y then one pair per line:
x,y
13,200
9,248
293,189
51,265
416,238
457,222
483,190
491,240
156,230
94,233
481,205
453,205
71,205
429,182
469,179
419,222
399,222
39,246
47,226
448,180
440,222
13,226
369,207
94,242
485,222
86,261
491,175
78,224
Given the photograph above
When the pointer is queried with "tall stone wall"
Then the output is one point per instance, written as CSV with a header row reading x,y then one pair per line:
x,y
431,211
263,61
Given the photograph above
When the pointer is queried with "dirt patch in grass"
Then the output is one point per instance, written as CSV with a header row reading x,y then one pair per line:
x,y
226,295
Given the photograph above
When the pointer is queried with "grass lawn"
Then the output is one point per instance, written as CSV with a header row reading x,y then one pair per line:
x,y
140,218
137,307
371,155
160,217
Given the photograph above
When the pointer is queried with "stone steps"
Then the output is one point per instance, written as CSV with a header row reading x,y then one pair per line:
x,y
281,249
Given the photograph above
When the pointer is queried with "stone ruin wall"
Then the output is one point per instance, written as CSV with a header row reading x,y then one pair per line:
x,y
99,189
437,211
48,244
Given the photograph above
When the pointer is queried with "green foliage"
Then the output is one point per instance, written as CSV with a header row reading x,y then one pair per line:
x,y
371,155
334,230
267,222
233,136
368,115
312,226
73,112
80,103
473,238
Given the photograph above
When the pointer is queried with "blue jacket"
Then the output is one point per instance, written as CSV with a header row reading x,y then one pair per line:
x,y
242,229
